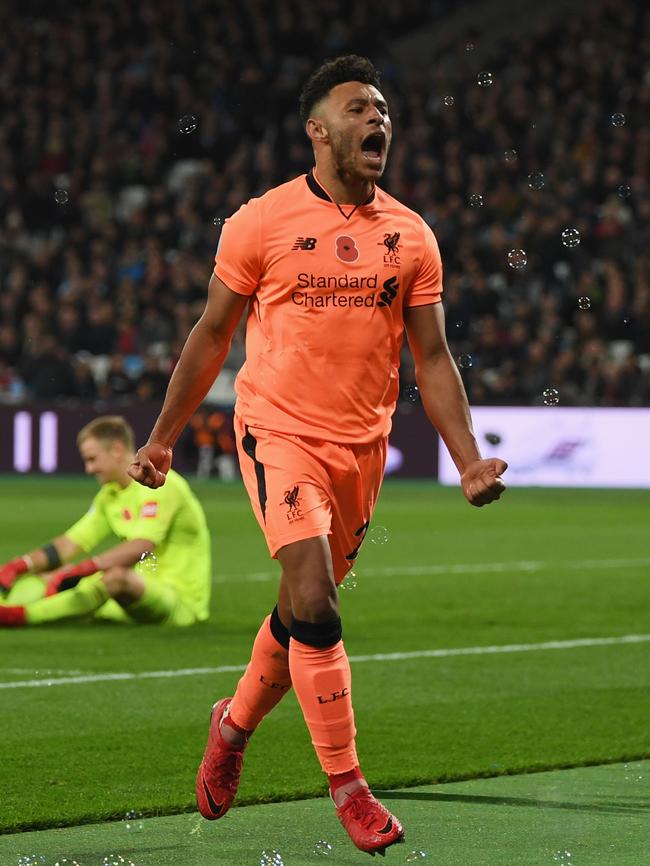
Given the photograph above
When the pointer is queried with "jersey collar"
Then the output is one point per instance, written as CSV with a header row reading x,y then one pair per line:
x,y
321,192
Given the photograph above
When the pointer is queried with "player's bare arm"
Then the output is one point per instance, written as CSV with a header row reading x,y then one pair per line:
x,y
445,402
127,553
40,560
200,363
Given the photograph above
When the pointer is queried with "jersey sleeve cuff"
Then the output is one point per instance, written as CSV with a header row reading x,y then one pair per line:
x,y
231,282
423,301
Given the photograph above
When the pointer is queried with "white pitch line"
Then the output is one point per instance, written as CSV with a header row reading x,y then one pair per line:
x,y
457,568
47,672
376,657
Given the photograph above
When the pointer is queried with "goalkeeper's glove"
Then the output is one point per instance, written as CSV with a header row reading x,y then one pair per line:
x,y
12,570
69,577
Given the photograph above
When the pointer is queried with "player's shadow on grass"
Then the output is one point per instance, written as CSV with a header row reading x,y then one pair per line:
x,y
639,808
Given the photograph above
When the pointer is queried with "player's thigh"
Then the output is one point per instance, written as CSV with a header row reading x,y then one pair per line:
x,y
308,579
288,484
354,503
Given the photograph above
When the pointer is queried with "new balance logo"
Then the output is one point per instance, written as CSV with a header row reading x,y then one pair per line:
x,y
304,244
387,295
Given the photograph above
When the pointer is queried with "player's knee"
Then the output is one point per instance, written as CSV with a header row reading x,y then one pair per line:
x,y
317,634
315,602
118,580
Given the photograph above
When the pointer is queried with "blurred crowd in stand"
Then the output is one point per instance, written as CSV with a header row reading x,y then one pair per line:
x,y
130,131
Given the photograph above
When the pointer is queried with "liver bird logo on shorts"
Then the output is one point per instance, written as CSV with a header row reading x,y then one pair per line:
x,y
291,498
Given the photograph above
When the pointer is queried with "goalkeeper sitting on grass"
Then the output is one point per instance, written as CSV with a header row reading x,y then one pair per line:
x,y
158,573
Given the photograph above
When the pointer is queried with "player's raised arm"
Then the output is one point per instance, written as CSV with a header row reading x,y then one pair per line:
x,y
445,403
199,364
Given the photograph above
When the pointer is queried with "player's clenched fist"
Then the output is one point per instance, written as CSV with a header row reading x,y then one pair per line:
x,y
151,465
481,481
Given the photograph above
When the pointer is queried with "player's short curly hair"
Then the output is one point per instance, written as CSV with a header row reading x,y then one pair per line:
x,y
349,67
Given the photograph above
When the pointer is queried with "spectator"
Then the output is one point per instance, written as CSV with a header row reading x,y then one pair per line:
x,y
108,209
118,384
152,382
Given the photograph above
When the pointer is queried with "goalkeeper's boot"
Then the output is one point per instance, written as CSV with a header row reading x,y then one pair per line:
x,y
12,616
369,824
218,777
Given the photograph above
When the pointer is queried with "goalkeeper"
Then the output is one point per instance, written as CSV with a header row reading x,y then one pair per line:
x,y
158,573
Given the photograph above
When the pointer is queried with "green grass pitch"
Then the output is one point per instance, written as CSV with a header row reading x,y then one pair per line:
x,y
540,566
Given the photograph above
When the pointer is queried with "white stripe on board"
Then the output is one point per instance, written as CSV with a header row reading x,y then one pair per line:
x,y
376,657
458,568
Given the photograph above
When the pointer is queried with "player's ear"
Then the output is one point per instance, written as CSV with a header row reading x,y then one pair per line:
x,y
117,448
316,130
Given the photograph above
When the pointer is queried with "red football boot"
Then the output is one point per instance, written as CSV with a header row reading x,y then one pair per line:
x,y
12,615
369,824
218,777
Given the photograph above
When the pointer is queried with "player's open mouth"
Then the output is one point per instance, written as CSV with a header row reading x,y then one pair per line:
x,y
373,147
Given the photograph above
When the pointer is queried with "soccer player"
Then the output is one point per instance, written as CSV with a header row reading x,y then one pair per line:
x,y
158,573
330,270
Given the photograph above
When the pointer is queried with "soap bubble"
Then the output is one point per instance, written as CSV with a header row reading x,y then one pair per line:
x,y
31,860
570,237
469,46
133,820
536,180
476,200
218,221
65,862
271,858
322,848
510,155
584,303
485,79
350,581
632,773
415,856
624,191
617,119
148,563
551,397
187,124
449,100
517,259
61,196
378,535
412,393
563,857
465,361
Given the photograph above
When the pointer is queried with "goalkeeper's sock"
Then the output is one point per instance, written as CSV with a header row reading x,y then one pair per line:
x,y
266,680
89,594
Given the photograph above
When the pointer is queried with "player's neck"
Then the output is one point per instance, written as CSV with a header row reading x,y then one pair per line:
x,y
122,476
342,188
